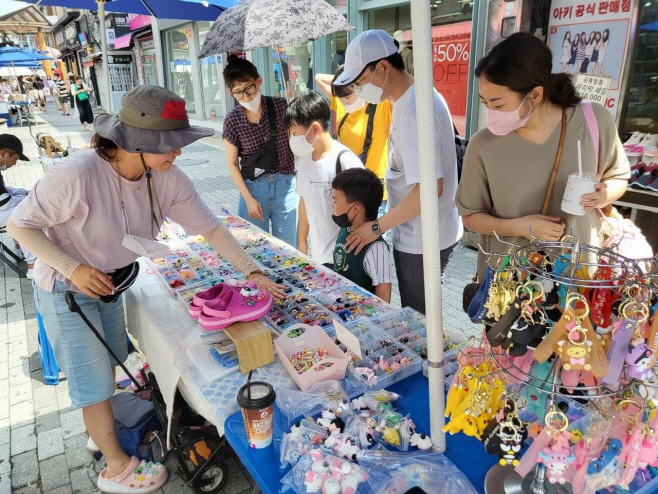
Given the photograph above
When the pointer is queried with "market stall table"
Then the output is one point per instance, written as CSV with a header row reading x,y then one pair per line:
x,y
467,453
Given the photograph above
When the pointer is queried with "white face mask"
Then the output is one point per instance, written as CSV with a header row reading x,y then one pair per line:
x,y
356,106
369,92
300,146
252,105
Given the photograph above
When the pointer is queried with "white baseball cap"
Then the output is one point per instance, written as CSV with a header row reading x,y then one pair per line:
x,y
367,47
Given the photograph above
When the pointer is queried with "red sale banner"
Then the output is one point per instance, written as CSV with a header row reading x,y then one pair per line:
x,y
451,46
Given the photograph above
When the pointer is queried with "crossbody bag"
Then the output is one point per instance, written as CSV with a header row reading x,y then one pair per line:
x,y
262,160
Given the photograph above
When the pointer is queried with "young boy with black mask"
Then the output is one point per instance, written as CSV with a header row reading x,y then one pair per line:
x,y
357,194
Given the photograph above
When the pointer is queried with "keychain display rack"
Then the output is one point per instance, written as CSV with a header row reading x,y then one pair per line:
x,y
575,257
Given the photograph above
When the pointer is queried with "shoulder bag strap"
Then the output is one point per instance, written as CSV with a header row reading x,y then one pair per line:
x,y
370,110
593,127
271,116
339,167
556,164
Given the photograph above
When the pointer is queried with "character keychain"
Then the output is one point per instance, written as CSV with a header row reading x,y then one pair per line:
x,y
551,447
506,433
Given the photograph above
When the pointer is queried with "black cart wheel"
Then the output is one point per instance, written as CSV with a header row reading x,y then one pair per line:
x,y
212,479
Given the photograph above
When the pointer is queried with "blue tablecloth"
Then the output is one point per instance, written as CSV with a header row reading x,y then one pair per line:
x,y
263,464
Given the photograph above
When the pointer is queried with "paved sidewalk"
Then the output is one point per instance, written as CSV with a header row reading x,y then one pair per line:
x,y
42,439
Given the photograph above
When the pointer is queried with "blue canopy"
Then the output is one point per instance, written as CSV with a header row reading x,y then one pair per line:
x,y
193,10
15,55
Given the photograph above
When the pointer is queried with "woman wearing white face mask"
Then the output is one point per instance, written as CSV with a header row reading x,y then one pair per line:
x,y
261,163
508,166
102,209
362,127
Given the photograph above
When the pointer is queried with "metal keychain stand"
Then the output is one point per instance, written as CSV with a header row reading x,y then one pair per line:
x,y
503,479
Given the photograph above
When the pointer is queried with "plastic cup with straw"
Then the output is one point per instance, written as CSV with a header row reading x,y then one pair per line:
x,y
578,184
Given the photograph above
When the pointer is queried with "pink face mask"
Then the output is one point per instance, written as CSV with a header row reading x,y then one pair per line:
x,y
501,123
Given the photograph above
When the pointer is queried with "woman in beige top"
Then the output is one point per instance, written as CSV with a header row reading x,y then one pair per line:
x,y
508,165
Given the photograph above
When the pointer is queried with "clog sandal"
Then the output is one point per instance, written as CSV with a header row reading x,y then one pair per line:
x,y
216,292
140,477
248,304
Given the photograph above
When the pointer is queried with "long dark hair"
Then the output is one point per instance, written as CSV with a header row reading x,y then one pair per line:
x,y
606,35
521,63
238,70
105,148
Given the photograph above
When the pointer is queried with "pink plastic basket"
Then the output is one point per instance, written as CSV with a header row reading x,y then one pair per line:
x,y
310,337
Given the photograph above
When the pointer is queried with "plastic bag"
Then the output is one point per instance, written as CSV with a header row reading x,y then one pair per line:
x,y
325,395
321,471
391,472
302,438
358,428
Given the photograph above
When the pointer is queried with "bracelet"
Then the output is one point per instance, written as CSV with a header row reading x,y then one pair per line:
x,y
256,271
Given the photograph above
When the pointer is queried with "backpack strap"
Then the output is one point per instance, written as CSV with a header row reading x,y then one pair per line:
x,y
370,110
340,125
593,127
339,167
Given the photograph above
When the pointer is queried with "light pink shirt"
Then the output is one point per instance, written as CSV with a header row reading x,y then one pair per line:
x,y
79,204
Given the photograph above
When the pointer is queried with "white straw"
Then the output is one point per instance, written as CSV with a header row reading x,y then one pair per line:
x,y
580,159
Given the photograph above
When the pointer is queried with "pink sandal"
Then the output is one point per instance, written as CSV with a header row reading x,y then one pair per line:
x,y
248,304
140,477
216,292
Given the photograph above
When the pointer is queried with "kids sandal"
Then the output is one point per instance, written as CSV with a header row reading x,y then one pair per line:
x,y
216,292
140,477
247,304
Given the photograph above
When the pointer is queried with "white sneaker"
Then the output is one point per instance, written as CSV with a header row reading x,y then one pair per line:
x,y
635,138
650,141
91,445
30,274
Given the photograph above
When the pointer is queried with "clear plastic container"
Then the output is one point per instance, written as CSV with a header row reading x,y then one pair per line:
x,y
156,294
300,336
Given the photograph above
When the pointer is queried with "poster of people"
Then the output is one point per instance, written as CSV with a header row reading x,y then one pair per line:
x,y
589,40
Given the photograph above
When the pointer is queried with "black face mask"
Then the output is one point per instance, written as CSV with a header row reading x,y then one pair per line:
x,y
342,220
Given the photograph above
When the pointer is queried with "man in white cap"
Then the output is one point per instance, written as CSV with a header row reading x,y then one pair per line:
x,y
376,70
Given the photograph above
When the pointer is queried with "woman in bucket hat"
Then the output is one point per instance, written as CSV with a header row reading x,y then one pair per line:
x,y
102,208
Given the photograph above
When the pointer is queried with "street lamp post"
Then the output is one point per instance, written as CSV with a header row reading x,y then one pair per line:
x,y
106,73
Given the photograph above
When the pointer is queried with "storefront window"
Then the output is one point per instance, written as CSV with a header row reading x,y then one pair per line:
x,y
179,64
291,69
147,70
451,45
211,78
642,102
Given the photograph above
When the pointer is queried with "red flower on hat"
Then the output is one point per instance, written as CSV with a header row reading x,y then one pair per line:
x,y
174,110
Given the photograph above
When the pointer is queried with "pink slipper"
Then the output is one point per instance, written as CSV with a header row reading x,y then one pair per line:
x,y
248,304
216,292
140,477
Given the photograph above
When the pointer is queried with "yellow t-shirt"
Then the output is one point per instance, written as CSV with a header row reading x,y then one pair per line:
x,y
353,134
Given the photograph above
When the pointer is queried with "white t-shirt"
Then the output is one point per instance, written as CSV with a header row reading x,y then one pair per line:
x,y
314,186
403,174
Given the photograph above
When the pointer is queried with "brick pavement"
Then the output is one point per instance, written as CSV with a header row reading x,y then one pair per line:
x,y
42,439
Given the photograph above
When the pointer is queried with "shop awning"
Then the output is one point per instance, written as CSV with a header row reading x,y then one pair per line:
x,y
123,41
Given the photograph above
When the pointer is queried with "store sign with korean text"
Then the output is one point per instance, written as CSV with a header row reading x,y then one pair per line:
x,y
589,41
110,35
451,46
119,59
592,88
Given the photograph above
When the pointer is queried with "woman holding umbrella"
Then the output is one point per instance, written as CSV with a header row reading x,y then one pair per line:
x,y
102,209
270,196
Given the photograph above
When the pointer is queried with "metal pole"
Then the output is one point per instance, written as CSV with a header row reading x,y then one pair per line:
x,y
106,73
422,29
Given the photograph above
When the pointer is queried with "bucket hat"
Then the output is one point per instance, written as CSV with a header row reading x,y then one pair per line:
x,y
151,120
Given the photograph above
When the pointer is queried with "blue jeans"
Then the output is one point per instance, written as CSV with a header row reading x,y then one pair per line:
x,y
279,200
83,359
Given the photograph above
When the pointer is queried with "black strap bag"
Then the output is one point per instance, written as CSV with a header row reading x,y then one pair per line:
x,y
262,160
370,110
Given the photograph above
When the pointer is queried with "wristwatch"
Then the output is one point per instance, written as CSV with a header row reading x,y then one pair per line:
x,y
375,227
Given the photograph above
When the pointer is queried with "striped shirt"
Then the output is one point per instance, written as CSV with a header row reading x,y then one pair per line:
x,y
61,88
